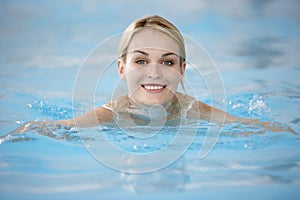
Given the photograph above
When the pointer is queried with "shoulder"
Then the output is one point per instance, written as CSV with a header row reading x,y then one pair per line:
x,y
192,106
184,97
186,101
188,104
117,105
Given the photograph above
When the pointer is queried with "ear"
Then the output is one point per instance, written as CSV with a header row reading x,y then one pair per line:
x,y
182,68
121,68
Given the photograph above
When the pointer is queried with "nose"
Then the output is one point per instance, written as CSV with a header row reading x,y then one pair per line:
x,y
154,72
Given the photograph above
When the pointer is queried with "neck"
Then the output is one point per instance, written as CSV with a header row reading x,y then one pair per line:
x,y
172,107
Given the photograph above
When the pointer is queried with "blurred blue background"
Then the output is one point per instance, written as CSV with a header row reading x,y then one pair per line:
x,y
237,34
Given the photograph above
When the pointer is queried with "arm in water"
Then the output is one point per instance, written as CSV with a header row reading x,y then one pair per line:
x,y
220,117
57,129
102,115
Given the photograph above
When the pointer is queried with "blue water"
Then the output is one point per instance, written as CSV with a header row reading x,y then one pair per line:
x,y
54,164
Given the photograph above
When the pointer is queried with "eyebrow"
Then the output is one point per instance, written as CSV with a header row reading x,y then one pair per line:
x,y
169,54
141,52
146,54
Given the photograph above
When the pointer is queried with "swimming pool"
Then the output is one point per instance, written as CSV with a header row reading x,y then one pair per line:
x,y
57,166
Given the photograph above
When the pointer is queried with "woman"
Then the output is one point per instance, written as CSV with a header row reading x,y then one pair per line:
x,y
152,59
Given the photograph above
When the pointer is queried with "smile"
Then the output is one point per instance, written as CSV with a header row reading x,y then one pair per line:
x,y
154,88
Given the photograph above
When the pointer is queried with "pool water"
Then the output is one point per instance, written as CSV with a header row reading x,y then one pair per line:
x,y
56,165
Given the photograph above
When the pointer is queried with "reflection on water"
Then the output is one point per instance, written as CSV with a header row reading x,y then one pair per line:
x,y
53,161
66,168
171,178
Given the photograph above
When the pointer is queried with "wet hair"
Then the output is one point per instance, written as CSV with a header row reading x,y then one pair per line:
x,y
156,23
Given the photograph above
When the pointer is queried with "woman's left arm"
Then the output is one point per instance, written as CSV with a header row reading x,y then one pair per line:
x,y
216,115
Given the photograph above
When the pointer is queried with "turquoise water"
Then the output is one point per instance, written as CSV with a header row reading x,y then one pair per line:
x,y
254,43
54,164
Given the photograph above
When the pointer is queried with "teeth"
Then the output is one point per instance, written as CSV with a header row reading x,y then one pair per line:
x,y
153,87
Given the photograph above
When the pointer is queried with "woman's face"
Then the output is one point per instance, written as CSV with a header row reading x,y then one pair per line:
x,y
152,67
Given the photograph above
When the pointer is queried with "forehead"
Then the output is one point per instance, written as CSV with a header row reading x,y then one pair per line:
x,y
152,39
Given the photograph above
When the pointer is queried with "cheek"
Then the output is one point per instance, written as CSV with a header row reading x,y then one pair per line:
x,y
133,77
172,76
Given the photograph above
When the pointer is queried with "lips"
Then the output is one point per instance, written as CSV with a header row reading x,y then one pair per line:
x,y
154,88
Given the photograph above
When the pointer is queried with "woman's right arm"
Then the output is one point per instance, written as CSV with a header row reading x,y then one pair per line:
x,y
89,119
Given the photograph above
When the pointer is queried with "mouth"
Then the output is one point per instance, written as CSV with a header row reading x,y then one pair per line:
x,y
153,88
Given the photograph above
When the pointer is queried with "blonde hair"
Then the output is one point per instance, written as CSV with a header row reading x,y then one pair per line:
x,y
154,22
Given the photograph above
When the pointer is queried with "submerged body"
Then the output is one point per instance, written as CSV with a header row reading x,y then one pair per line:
x,y
181,105
152,60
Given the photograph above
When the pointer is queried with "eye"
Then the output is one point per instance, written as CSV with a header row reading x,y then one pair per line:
x,y
141,62
168,63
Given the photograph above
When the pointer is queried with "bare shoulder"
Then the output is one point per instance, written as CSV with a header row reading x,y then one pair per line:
x,y
104,113
201,110
100,115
